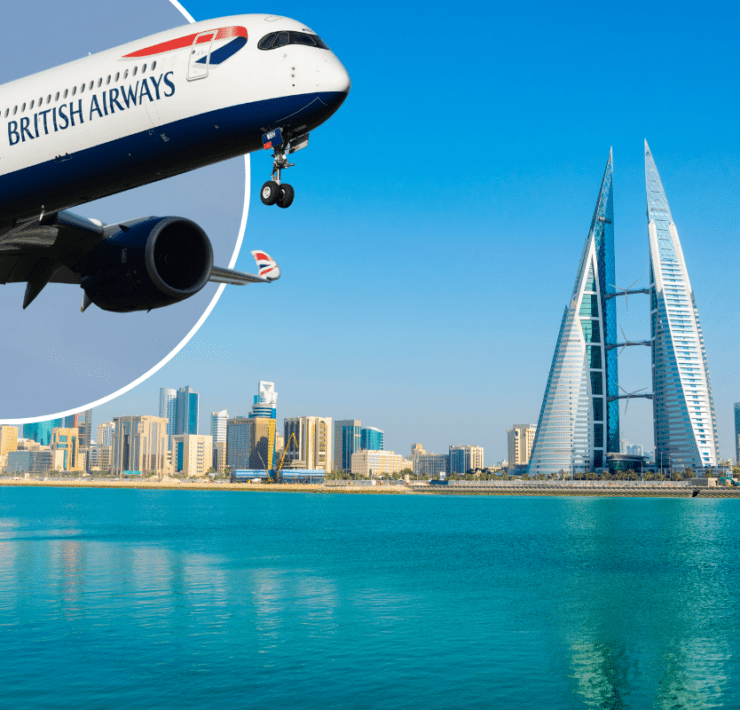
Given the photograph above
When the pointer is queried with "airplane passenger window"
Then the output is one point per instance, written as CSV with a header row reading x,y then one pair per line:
x,y
118,75
108,82
143,69
74,90
31,106
56,98
24,108
66,92
15,110
135,70
48,99
125,74
154,65
92,85
7,111
82,88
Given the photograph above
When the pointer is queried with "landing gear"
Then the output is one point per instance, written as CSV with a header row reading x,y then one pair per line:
x,y
285,195
275,192
270,193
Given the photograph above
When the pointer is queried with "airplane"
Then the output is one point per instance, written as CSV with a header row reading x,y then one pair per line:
x,y
143,112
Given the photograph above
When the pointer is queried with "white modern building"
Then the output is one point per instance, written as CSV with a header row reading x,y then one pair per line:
x,y
683,407
218,426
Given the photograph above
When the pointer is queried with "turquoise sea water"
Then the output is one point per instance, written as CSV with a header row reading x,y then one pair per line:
x,y
142,599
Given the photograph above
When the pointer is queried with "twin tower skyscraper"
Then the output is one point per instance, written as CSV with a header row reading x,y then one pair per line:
x,y
579,421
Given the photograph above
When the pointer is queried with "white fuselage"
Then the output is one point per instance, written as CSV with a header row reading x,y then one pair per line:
x,y
157,107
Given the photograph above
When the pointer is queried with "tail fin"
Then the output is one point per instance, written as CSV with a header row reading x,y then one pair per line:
x,y
266,265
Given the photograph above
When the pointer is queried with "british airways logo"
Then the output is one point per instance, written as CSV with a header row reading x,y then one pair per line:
x,y
92,107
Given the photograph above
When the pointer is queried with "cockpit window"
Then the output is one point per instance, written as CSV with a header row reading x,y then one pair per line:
x,y
280,39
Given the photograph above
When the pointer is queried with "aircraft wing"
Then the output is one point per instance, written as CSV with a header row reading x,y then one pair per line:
x,y
33,249
55,249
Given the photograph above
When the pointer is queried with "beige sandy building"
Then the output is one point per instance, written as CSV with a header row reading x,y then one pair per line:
x,y
140,444
521,438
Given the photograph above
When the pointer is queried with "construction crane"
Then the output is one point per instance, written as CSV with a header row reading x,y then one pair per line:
x,y
285,451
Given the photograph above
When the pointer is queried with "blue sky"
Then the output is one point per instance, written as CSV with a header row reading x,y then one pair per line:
x,y
440,215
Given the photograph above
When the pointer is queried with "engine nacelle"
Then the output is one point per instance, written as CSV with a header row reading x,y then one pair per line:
x,y
154,263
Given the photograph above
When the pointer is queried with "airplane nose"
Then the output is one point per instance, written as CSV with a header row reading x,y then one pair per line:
x,y
335,77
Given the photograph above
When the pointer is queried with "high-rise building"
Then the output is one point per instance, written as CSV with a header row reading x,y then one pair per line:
x,y
417,450
71,421
347,440
105,434
139,444
265,401
187,411
192,454
579,419
168,410
84,427
465,458
371,439
250,443
737,432
67,441
520,439
684,420
40,432
218,425
313,436
8,443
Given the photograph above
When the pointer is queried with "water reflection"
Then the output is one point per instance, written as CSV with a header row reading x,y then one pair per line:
x,y
642,612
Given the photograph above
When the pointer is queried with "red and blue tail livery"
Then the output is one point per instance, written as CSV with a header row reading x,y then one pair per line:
x,y
266,266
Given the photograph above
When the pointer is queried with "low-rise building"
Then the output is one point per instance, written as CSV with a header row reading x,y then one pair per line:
x,y
219,457
428,465
375,463
66,441
192,454
465,458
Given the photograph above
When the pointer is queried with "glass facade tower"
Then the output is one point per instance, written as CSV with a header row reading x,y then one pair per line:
x,y
684,420
347,440
371,439
578,423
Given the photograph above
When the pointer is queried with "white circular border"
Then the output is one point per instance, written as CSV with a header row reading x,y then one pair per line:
x,y
194,329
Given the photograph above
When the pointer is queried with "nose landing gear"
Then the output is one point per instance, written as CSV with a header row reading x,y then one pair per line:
x,y
275,192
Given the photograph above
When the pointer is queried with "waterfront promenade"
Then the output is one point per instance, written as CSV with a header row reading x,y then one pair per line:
x,y
662,489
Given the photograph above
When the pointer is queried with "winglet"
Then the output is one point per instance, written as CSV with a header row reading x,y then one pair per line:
x,y
266,265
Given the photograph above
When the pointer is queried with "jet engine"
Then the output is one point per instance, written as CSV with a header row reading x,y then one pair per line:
x,y
150,264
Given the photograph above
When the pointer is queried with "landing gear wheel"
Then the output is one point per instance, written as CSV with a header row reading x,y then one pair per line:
x,y
270,193
286,193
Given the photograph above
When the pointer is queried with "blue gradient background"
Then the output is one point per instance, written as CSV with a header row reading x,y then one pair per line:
x,y
440,215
